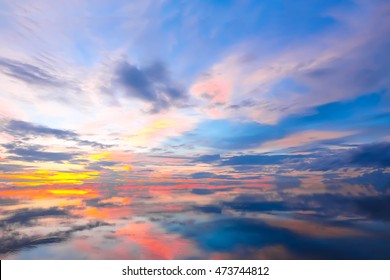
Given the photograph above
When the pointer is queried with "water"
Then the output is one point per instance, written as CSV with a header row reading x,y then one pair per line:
x,y
189,220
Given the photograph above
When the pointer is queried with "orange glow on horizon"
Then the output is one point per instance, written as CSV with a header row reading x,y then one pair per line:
x,y
42,193
46,177
69,192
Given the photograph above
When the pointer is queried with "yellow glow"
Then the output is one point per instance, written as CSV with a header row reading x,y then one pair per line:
x,y
68,192
46,177
100,156
127,167
154,127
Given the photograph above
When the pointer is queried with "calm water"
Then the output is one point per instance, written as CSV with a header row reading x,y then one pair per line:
x,y
193,221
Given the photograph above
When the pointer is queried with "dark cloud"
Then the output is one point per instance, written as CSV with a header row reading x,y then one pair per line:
x,y
34,154
242,236
22,128
209,209
204,191
29,73
253,206
333,205
287,182
8,201
377,208
91,143
379,179
375,155
261,203
261,159
243,104
248,168
235,182
26,130
101,165
207,158
208,175
11,167
151,84
14,241
26,216
325,207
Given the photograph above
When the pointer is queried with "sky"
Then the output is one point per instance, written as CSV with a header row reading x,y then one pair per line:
x,y
226,99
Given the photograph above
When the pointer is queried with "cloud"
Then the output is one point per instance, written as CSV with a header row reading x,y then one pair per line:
x,y
379,179
25,216
11,167
8,201
204,191
207,158
13,241
339,117
333,205
336,63
377,208
260,159
208,175
209,209
326,206
29,73
287,182
151,84
101,165
34,154
306,139
374,155
253,206
25,130
241,236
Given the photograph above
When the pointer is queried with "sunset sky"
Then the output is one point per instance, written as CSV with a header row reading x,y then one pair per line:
x,y
291,97
132,90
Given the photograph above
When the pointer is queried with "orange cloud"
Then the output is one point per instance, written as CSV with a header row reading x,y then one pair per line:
x,y
104,213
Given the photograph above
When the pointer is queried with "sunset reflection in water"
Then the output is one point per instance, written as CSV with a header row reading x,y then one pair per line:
x,y
191,221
